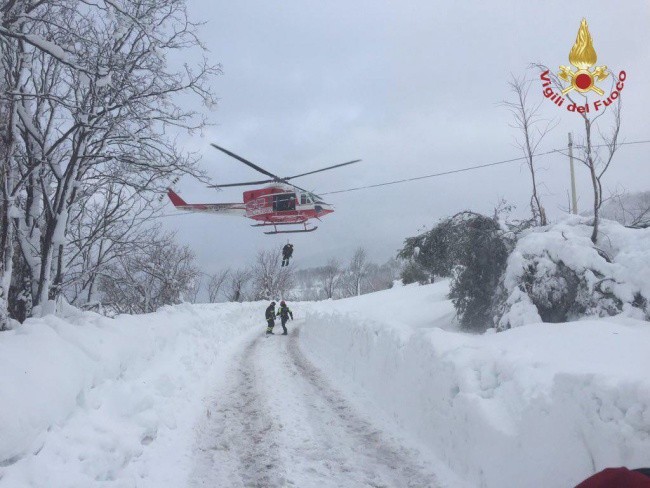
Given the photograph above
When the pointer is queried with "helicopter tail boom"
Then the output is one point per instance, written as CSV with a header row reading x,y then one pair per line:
x,y
238,209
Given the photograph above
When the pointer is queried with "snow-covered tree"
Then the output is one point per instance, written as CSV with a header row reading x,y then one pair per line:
x,y
216,283
472,249
412,272
157,273
355,274
236,285
433,251
480,255
532,130
102,228
90,101
270,280
331,275
381,277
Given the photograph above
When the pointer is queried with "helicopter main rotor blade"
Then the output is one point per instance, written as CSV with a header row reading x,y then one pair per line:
x,y
246,183
322,169
260,182
276,178
246,162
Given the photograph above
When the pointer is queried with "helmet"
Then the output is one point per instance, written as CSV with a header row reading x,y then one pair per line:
x,y
272,303
282,303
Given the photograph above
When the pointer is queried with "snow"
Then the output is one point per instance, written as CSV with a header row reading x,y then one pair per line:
x,y
92,399
275,421
58,237
540,405
14,212
84,80
433,307
47,46
373,390
26,120
104,80
625,278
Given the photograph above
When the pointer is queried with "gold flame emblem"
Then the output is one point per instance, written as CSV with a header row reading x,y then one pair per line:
x,y
583,56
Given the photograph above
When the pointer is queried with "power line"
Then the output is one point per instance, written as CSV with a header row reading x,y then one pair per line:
x,y
469,168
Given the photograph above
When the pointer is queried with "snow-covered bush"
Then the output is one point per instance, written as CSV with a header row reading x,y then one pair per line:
x,y
556,274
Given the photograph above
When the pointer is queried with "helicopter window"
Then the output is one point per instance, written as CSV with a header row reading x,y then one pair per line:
x,y
303,199
283,202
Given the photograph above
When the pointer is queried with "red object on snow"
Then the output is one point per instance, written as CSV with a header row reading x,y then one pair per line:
x,y
616,478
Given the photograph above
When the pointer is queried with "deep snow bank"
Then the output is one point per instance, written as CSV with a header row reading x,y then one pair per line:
x,y
540,405
556,274
419,306
105,400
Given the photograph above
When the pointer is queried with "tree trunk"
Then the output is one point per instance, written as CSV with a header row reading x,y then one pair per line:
x,y
594,180
45,275
6,261
6,224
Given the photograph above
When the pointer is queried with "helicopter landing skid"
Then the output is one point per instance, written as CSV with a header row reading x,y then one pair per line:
x,y
291,231
276,231
268,224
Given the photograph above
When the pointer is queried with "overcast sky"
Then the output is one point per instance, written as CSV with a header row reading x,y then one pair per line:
x,y
412,88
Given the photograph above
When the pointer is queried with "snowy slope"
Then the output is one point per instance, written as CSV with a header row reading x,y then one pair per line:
x,y
90,401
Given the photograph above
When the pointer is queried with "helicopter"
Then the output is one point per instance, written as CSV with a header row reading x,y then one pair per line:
x,y
280,203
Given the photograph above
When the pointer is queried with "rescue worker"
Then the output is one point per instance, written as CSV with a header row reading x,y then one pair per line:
x,y
284,313
270,318
287,252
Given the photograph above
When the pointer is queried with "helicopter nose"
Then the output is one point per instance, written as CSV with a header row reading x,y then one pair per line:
x,y
324,208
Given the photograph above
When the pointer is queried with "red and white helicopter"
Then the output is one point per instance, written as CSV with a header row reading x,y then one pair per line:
x,y
279,203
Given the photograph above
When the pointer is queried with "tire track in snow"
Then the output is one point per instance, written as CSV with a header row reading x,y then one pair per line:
x,y
388,464
237,442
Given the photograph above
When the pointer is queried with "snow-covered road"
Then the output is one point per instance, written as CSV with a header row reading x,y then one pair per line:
x,y
276,421
361,393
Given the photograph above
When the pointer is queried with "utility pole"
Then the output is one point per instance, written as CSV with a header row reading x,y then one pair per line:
x,y
574,199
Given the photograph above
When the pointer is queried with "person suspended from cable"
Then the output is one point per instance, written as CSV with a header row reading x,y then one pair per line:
x,y
284,313
270,318
287,252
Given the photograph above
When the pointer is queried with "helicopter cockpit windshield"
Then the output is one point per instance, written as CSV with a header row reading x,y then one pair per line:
x,y
306,198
